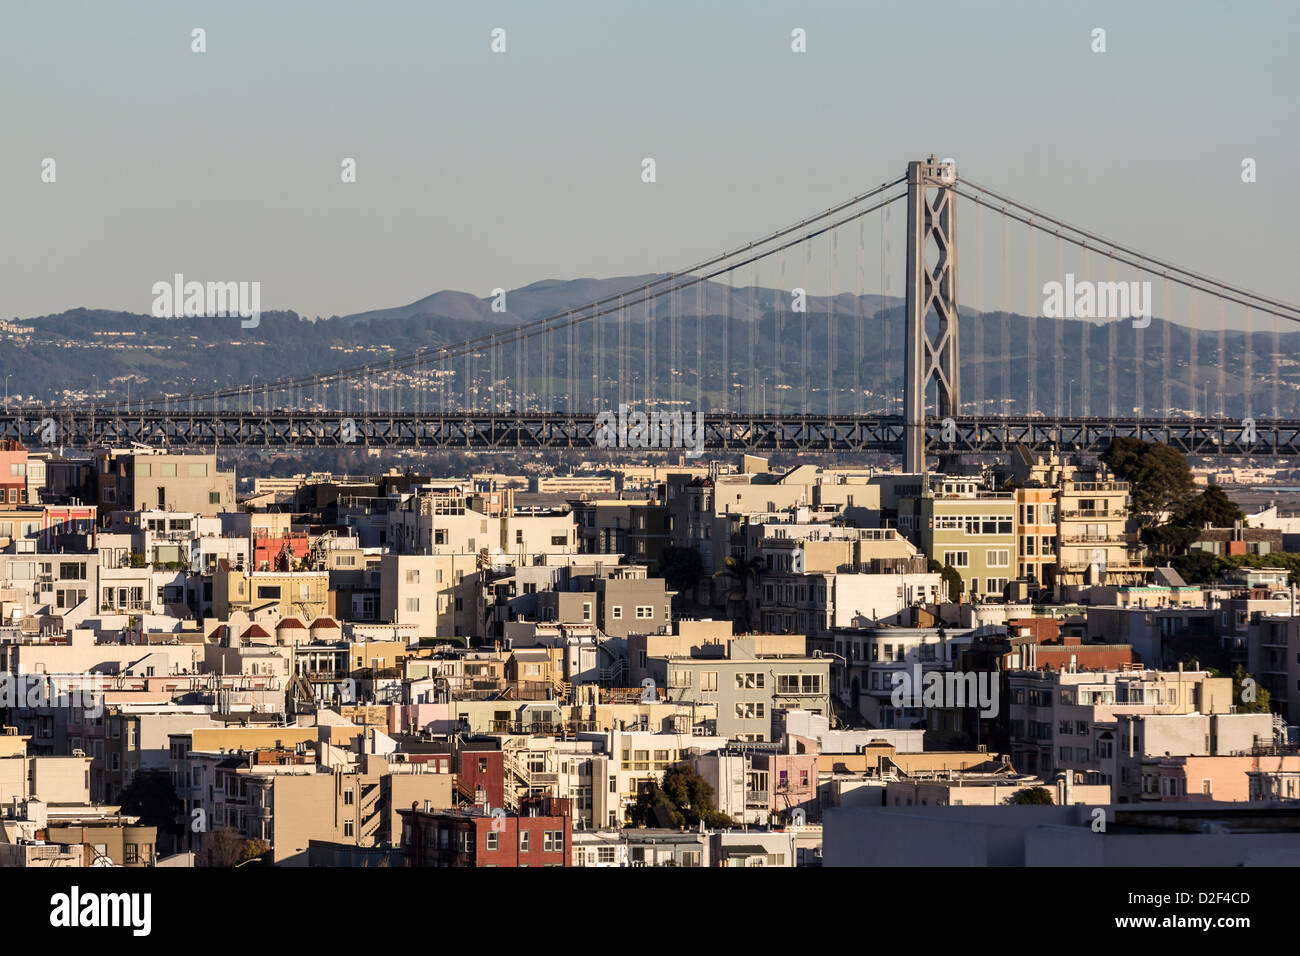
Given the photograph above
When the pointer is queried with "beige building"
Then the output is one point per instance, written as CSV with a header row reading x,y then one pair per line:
x,y
139,479
702,639
287,798
438,593
446,520
287,593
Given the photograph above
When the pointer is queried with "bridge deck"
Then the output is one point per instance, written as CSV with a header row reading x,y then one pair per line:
x,y
721,433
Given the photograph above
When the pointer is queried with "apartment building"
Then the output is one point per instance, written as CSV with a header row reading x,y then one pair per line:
x,y
540,834
284,593
139,478
444,519
13,473
750,691
965,526
1036,536
438,593
873,661
624,601
1063,720
1143,767
703,639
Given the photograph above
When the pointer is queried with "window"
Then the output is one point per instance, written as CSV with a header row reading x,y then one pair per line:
x,y
268,591
708,680
998,559
749,680
413,605
616,612
492,841
347,828
524,840
956,559
645,612
347,797
558,540
214,497
413,576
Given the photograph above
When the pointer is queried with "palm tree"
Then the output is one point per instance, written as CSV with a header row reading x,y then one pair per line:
x,y
744,574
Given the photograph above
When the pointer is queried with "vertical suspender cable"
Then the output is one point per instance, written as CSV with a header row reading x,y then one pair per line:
x,y
1058,328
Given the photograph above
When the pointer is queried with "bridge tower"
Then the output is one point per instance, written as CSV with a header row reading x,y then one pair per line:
x,y
931,337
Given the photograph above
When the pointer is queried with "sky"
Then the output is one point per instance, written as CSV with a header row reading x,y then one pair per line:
x,y
477,170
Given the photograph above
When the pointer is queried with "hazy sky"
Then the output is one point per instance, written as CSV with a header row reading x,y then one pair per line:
x,y
478,170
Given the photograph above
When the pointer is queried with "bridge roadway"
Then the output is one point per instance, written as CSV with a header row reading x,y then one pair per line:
x,y
735,432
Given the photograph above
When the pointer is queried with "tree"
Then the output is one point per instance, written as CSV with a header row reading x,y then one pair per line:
x,y
1031,796
1260,702
951,577
151,797
683,799
1169,539
1197,567
228,847
224,847
745,573
1160,480
1213,507
680,567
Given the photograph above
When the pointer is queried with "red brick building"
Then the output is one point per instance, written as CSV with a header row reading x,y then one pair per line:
x,y
481,774
540,834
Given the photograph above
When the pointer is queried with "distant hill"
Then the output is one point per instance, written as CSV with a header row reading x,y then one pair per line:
x,y
553,296
65,357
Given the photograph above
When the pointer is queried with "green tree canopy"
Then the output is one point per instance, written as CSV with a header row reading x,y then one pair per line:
x,y
1254,699
683,799
1160,480
1031,796
1213,507
951,577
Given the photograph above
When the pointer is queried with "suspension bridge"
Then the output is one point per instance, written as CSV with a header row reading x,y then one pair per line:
x,y
777,368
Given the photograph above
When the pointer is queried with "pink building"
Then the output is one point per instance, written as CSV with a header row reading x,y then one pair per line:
x,y
1221,779
13,472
